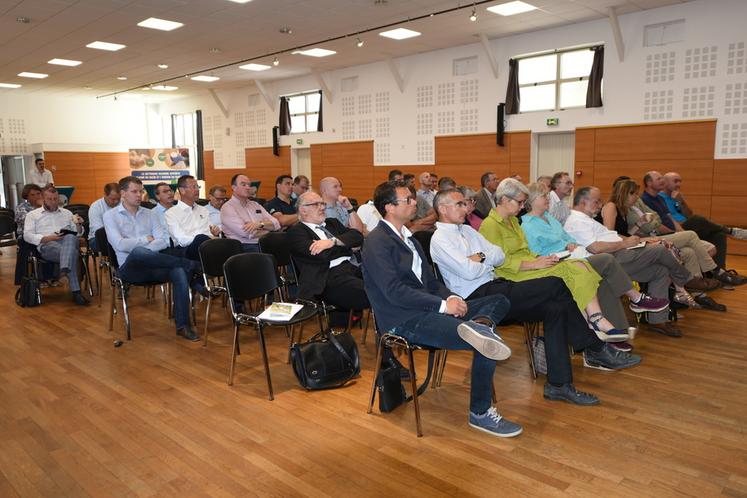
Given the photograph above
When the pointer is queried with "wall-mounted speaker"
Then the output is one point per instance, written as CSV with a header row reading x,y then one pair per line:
x,y
275,145
500,124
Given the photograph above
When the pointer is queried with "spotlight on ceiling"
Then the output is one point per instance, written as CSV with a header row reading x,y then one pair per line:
x,y
275,61
359,43
473,16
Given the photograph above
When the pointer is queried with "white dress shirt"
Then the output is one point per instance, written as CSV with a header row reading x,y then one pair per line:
x,y
323,236
185,222
126,231
96,216
451,247
587,230
214,215
558,208
369,215
41,222
41,179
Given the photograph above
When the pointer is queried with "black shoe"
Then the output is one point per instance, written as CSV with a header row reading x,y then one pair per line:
x,y
79,299
708,303
568,392
188,334
731,277
665,328
610,358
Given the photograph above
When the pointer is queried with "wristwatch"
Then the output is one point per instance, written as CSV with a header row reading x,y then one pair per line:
x,y
482,256
351,210
261,224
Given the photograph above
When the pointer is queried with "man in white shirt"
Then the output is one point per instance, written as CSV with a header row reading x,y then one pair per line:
x,y
651,263
55,232
216,197
39,175
562,186
369,215
97,210
467,260
188,222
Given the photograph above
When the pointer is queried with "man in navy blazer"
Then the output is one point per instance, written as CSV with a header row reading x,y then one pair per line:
x,y
409,301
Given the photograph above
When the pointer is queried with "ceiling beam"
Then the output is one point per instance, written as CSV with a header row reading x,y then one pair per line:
x,y
269,99
323,85
219,102
395,74
489,53
615,24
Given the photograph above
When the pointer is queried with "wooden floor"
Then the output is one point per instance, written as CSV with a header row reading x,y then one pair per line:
x,y
155,417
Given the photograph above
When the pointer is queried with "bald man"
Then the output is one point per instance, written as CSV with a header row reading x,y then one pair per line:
x,y
425,191
338,206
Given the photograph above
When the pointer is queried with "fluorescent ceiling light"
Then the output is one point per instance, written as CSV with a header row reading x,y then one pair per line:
x,y
9,85
64,62
399,34
165,88
254,67
122,78
161,24
240,1
38,76
205,78
511,8
315,52
163,66
111,47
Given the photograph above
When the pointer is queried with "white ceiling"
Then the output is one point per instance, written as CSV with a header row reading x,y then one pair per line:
x,y
62,28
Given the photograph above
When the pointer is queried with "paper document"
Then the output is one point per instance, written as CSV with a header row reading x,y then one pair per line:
x,y
280,312
637,245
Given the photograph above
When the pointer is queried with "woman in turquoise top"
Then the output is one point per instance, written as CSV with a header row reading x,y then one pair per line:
x,y
502,228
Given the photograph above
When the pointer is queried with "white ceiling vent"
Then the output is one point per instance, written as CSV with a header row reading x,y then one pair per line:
x,y
664,33
464,66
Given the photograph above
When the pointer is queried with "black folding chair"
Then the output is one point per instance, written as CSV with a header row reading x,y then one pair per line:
x,y
213,255
241,288
276,244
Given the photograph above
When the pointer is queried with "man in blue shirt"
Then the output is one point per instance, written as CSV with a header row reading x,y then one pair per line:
x,y
137,236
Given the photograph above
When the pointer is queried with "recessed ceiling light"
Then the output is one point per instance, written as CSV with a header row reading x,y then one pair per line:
x,y
163,66
511,8
215,50
64,62
121,78
254,67
38,76
161,24
111,47
473,15
399,33
205,78
9,85
165,88
315,52
240,1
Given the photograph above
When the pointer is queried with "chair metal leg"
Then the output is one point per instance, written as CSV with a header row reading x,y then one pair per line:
x,y
263,348
530,331
96,274
112,308
232,364
415,401
125,312
207,318
377,366
365,330
441,367
86,273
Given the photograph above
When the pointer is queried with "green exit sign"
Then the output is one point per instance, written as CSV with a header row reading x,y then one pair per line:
x,y
299,141
553,121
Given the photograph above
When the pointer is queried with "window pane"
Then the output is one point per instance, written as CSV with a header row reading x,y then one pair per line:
x,y
179,129
311,122
313,100
536,98
576,64
298,124
188,130
297,105
538,69
573,94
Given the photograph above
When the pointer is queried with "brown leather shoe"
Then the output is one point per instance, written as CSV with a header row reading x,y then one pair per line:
x,y
665,328
702,284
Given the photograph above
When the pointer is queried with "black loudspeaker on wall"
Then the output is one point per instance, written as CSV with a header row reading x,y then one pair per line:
x,y
275,149
500,124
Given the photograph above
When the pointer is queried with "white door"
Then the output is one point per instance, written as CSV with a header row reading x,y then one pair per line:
x,y
555,152
301,162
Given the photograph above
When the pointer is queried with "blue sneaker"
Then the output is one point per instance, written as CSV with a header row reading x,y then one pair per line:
x,y
492,423
484,340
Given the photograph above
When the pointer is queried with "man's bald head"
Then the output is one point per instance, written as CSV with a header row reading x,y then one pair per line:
x,y
425,180
330,188
653,181
672,182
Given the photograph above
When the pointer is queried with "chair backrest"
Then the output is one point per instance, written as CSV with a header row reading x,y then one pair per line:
x,y
202,202
147,205
82,211
276,243
102,243
424,237
249,276
215,252
7,224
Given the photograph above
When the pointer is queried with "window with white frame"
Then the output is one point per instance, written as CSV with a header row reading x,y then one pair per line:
x,y
184,129
304,111
551,82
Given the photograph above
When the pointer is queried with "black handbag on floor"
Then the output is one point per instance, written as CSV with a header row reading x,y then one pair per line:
x,y
28,294
391,391
326,361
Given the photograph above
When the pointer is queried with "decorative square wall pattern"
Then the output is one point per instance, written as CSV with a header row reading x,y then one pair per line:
x,y
348,106
660,67
468,91
382,153
240,159
260,117
424,153
348,130
239,137
445,122
658,104
207,132
701,62
736,62
468,120
735,101
251,138
217,159
16,126
263,137
364,104
382,102
734,138
425,123
249,119
364,129
424,96
382,127
697,102
446,94
238,120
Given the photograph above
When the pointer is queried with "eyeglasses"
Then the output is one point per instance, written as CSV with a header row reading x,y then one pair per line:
x,y
407,200
518,202
220,199
460,204
313,204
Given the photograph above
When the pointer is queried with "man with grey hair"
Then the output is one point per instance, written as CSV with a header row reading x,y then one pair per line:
x,y
338,206
484,200
561,186
425,191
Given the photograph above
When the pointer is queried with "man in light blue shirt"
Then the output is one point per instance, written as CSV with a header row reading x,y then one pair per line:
x,y
137,237
97,210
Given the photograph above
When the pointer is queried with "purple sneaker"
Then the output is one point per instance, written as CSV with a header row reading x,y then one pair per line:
x,y
648,303
621,346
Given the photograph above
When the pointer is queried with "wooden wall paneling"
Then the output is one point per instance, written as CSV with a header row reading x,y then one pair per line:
x,y
263,165
728,177
729,210
520,154
700,204
584,174
698,170
584,144
316,164
653,142
469,173
381,173
349,162
471,149
347,154
75,169
215,176
109,167
737,247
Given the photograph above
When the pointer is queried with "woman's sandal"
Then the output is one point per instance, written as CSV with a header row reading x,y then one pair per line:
x,y
612,335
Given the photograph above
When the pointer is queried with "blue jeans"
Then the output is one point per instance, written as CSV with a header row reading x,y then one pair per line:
x,y
440,331
143,265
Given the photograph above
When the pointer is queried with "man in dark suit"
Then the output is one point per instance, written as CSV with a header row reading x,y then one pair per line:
x,y
322,249
484,200
409,301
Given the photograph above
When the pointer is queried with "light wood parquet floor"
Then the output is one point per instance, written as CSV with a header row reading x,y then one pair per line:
x,y
155,417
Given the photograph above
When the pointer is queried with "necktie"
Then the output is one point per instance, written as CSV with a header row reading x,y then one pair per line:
x,y
325,231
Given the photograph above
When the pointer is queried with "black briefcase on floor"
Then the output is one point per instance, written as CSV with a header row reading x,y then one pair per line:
x,y
326,361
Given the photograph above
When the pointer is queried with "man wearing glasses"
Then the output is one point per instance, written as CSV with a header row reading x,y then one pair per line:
x,y
244,219
562,186
188,222
216,196
409,301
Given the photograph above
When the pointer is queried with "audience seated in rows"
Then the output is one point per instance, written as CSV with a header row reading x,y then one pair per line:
x,y
244,219
283,205
216,198
485,200
300,185
32,199
561,186
96,212
188,222
339,206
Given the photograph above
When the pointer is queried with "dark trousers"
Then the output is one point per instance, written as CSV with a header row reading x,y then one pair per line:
x,y
344,288
440,331
548,300
192,250
711,232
